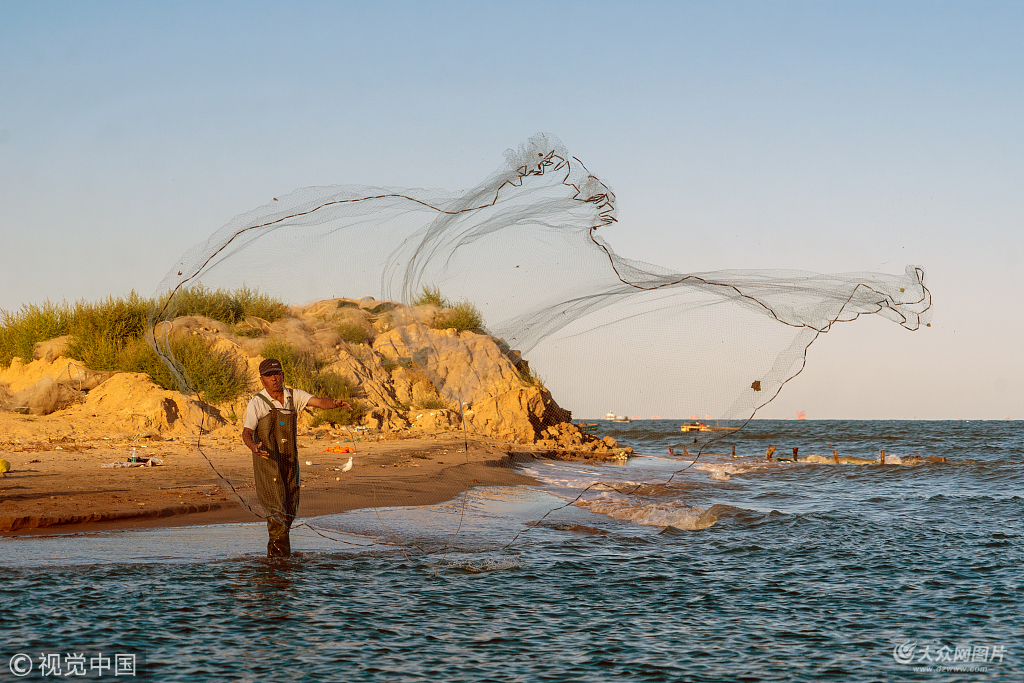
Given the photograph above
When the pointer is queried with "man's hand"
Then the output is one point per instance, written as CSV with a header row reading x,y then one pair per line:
x,y
338,403
256,448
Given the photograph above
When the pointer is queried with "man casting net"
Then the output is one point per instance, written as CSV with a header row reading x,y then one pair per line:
x,y
436,311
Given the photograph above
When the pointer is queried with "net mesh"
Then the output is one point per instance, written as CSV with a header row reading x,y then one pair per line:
x,y
526,250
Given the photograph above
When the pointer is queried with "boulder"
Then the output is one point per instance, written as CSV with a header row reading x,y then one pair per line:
x,y
51,349
133,403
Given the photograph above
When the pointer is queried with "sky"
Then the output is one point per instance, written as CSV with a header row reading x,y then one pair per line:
x,y
822,136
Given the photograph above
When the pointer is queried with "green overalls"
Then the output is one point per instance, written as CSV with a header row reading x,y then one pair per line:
x,y
277,479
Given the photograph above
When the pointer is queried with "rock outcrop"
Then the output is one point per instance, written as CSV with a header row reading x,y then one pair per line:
x,y
437,367
407,375
119,401
566,440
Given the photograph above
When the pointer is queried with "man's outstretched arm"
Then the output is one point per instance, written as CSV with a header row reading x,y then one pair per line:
x,y
326,404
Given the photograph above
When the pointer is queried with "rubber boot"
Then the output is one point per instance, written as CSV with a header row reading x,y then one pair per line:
x,y
279,547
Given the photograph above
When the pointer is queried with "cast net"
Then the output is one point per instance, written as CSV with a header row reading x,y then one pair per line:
x,y
465,326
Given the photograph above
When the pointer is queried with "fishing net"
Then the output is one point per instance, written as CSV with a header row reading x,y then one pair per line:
x,y
490,314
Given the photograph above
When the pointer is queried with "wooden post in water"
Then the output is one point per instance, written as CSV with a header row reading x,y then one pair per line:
x,y
771,449
835,456
881,460
734,450
795,449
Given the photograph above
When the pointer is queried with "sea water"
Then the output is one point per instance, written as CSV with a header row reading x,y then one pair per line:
x,y
664,568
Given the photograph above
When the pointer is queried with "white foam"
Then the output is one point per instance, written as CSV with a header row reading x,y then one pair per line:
x,y
487,565
724,468
656,514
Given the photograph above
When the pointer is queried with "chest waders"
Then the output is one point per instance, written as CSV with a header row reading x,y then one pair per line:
x,y
277,479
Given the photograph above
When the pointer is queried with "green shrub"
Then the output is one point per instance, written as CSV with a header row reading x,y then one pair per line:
x,y
461,316
347,304
353,333
435,403
110,335
101,330
529,376
430,296
246,331
226,305
138,356
20,331
216,376
333,385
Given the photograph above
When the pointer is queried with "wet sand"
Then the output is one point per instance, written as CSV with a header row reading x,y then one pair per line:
x,y
58,485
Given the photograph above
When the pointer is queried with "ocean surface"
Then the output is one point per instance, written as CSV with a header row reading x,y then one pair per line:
x,y
666,568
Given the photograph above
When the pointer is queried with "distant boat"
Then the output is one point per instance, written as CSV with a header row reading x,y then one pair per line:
x,y
587,426
701,427
620,418
609,416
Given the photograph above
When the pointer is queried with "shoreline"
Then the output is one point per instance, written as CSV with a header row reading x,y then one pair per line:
x,y
58,486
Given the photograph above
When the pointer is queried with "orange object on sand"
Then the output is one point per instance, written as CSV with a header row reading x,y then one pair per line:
x,y
339,449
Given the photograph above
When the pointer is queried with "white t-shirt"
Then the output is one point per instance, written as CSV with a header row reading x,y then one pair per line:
x,y
257,407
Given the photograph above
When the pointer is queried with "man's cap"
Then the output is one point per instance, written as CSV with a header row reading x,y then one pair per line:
x,y
271,366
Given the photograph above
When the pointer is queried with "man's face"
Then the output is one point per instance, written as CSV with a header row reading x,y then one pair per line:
x,y
273,383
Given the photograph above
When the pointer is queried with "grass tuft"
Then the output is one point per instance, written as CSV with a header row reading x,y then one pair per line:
x,y
459,316
435,403
353,333
230,306
110,335
430,296
462,316
20,331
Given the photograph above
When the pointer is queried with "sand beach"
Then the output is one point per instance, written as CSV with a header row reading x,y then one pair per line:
x,y
58,484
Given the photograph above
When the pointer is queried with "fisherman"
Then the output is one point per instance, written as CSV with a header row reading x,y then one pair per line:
x,y
269,432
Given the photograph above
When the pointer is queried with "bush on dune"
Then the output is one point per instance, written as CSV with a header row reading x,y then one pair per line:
x,y
462,316
353,333
230,306
215,376
459,316
430,296
20,331
110,335
101,331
